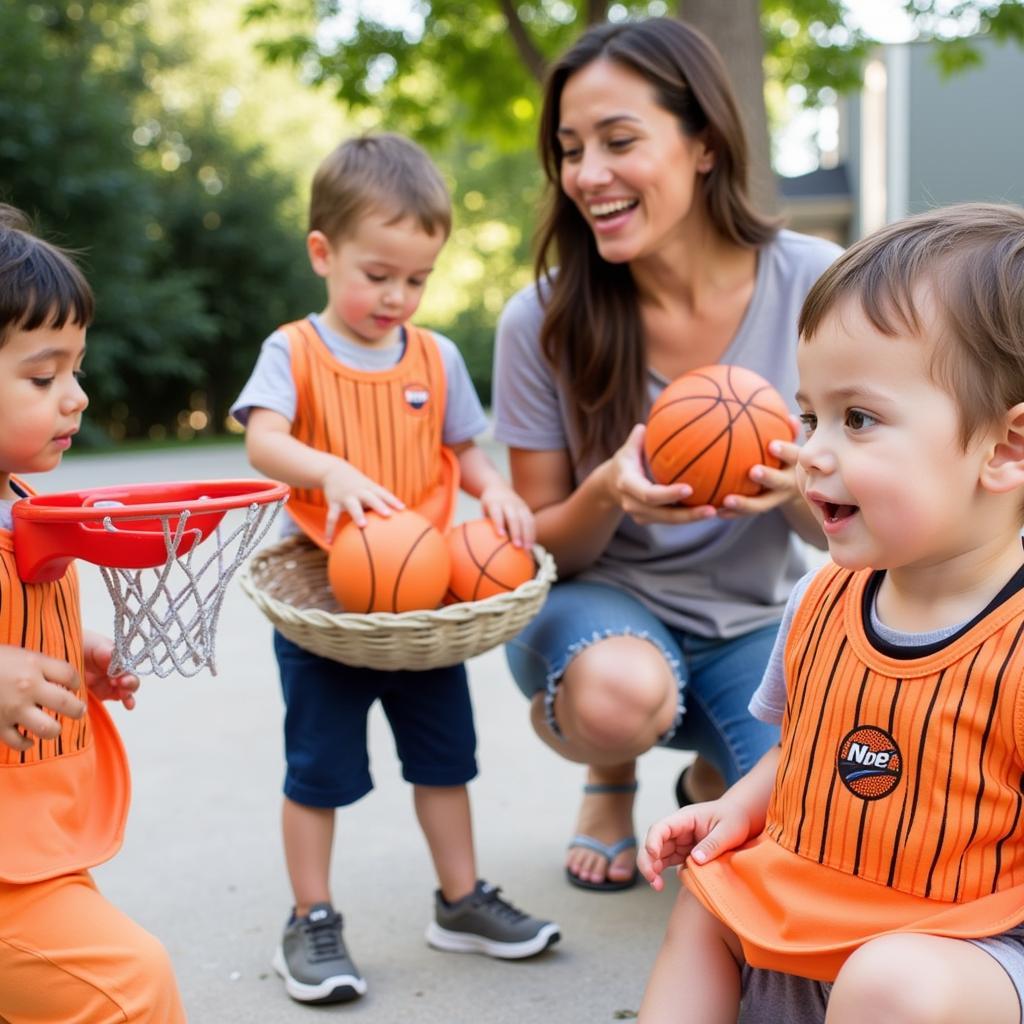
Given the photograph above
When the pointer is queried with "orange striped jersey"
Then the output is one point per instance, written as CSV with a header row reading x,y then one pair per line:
x,y
898,803
64,800
386,423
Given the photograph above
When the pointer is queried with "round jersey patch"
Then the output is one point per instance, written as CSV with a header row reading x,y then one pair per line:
x,y
416,396
869,762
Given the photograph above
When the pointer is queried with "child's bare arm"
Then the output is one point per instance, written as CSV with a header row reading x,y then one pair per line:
x,y
273,451
500,503
31,684
703,831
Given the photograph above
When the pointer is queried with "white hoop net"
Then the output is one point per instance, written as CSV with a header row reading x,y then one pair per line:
x,y
165,618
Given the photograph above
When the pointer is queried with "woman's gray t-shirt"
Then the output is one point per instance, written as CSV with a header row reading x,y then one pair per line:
x,y
718,578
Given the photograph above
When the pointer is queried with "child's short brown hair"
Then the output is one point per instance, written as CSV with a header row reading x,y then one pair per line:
x,y
970,259
385,172
39,283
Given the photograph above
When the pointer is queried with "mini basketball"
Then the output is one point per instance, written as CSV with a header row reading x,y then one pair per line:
x,y
710,427
484,563
396,563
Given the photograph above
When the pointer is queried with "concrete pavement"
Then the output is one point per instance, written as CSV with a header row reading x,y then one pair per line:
x,y
202,865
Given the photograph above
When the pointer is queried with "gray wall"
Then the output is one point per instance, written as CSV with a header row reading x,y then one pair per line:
x,y
966,132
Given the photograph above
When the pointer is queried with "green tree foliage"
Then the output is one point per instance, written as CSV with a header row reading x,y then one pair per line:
x,y
180,230
462,77
247,265
484,58
66,159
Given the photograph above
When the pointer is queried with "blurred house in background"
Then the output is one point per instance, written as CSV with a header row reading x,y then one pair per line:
x,y
912,139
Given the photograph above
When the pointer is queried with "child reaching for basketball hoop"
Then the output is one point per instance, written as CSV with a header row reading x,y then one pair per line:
x,y
65,952
354,408
871,867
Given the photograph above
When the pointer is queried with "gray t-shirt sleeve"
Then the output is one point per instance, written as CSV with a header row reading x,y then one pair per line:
x,y
526,405
769,700
270,385
464,417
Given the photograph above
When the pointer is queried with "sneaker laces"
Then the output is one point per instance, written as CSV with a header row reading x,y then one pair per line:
x,y
488,898
323,938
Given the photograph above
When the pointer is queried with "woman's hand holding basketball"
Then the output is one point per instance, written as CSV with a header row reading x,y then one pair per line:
x,y
98,651
31,686
780,486
348,490
638,497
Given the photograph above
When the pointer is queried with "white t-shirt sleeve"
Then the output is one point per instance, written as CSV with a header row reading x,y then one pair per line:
x,y
270,385
769,701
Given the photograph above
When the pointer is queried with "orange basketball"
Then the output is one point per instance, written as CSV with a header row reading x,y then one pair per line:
x,y
710,427
397,563
483,563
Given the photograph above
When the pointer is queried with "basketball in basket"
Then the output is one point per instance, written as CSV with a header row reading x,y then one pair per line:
x,y
710,427
484,563
288,583
166,552
395,563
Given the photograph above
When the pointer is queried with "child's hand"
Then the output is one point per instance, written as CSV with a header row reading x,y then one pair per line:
x,y
32,684
511,515
700,831
348,490
98,651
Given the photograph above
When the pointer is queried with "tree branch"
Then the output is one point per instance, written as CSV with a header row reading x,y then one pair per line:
x,y
596,11
531,57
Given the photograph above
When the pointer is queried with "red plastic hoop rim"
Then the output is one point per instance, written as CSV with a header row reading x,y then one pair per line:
x,y
147,500
52,529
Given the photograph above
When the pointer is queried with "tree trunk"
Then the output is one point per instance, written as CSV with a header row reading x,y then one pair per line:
x,y
735,28
529,54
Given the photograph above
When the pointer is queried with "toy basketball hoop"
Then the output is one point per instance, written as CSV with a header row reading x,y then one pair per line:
x,y
147,540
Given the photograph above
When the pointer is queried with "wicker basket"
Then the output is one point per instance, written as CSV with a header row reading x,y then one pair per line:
x,y
288,582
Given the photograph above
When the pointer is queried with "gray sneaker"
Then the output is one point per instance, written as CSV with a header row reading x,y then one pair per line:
x,y
313,960
483,922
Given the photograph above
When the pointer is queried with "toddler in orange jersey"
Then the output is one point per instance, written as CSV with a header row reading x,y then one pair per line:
x,y
357,409
66,954
871,867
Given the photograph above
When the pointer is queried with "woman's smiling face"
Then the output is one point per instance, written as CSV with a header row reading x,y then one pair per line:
x,y
626,162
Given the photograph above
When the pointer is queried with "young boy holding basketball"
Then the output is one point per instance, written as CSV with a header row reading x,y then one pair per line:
x,y
876,857
65,952
354,408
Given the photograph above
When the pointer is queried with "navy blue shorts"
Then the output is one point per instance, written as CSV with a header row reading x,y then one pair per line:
x,y
326,709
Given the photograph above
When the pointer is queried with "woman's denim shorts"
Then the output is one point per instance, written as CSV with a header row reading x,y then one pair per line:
x,y
716,677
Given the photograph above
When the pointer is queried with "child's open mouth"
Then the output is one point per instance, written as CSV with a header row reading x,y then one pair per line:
x,y
835,514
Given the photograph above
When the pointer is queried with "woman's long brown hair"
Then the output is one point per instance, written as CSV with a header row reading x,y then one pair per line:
x,y
592,334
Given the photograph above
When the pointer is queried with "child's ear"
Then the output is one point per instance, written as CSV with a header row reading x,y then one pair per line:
x,y
1003,470
318,247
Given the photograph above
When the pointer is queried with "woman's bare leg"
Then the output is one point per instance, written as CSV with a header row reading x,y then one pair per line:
x,y
617,697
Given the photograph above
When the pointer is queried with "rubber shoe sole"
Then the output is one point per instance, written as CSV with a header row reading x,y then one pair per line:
x,y
467,942
341,988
